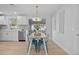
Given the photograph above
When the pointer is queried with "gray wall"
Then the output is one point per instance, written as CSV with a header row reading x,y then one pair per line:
x,y
67,39
49,26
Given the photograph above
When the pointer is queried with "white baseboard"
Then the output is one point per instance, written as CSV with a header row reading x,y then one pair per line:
x,y
62,47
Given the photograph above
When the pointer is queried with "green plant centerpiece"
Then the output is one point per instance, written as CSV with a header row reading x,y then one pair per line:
x,y
37,27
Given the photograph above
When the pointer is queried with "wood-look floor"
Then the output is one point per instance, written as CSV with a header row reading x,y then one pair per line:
x,y
20,48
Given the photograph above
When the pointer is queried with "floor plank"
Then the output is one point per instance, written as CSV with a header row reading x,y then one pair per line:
x,y
20,48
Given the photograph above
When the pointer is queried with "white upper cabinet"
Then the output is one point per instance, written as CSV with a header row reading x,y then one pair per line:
x,y
22,20
3,20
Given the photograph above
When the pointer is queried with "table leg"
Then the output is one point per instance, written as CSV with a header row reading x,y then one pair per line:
x,y
28,43
45,46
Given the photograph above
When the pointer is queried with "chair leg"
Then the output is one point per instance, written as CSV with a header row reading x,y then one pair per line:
x,y
47,47
29,49
36,48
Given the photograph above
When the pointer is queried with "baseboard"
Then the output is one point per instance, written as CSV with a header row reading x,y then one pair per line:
x,y
68,53
7,41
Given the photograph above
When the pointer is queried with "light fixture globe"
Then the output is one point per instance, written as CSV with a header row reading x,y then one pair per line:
x,y
36,19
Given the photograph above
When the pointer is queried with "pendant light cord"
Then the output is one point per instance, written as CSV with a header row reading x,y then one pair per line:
x,y
36,10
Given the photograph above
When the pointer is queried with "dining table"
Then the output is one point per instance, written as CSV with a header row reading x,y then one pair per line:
x,y
37,36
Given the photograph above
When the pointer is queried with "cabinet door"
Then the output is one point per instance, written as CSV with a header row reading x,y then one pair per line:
x,y
3,20
22,20
12,35
3,35
9,35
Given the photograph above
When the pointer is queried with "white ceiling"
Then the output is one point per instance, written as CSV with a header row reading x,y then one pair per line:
x,y
29,9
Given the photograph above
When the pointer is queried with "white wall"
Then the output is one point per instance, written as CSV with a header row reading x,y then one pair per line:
x,y
49,26
77,31
66,40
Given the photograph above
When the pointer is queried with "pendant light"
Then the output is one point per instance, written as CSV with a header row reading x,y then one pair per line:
x,y
36,18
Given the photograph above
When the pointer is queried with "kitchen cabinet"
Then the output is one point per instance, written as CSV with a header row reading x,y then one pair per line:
x,y
3,20
8,35
22,20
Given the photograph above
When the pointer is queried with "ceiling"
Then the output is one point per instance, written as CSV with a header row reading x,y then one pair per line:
x,y
29,9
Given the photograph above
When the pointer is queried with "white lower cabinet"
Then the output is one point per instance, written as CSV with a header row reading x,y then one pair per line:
x,y
8,35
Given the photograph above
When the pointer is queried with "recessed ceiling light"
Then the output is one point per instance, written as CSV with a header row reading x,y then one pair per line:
x,y
11,4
